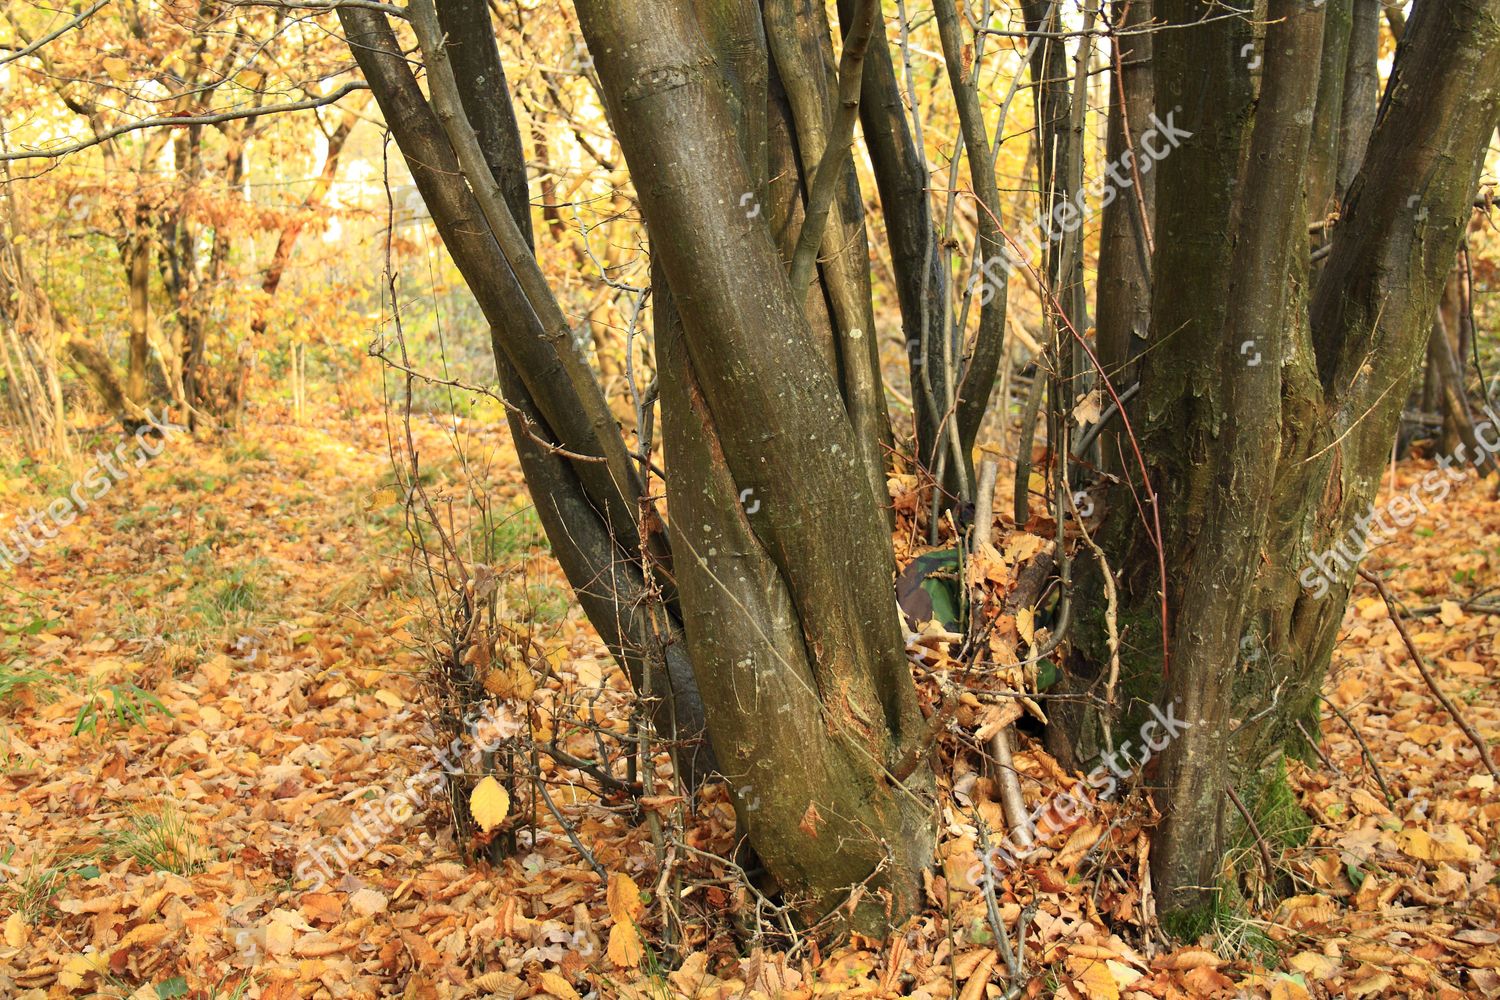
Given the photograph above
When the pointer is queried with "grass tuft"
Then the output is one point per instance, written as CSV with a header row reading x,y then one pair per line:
x,y
159,838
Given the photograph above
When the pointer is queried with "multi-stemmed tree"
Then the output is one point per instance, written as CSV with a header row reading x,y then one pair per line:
x,y
1269,383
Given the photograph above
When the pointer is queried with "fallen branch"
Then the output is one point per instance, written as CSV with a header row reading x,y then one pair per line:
x,y
1390,800
1012,803
1432,684
1260,841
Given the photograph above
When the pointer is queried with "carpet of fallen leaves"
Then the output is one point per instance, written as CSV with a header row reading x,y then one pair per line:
x,y
212,669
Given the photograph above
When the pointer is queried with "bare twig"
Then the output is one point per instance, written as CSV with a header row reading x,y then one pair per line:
x,y
1111,623
525,422
583,852
1317,749
1011,801
182,121
1390,800
1260,841
58,33
1432,684
997,924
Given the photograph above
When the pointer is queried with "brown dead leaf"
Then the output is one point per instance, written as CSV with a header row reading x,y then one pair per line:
x,y
974,988
810,820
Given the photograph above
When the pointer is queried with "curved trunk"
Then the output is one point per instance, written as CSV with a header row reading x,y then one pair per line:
x,y
588,517
782,549
1267,460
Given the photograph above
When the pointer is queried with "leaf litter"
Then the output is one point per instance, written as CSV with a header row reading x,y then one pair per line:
x,y
218,669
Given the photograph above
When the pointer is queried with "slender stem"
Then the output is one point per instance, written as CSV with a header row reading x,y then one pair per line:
x,y
1432,684
1390,800
836,154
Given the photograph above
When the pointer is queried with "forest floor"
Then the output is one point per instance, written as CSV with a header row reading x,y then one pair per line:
x,y
216,673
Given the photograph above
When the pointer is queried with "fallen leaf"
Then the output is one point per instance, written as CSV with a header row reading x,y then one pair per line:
x,y
810,820
490,803
625,945
368,902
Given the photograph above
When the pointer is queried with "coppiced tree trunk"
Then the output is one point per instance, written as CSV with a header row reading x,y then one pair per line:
x,y
583,484
1123,303
1262,469
902,178
1269,391
786,614
808,695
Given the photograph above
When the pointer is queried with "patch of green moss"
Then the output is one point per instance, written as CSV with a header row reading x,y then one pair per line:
x,y
1192,923
1228,921
1281,820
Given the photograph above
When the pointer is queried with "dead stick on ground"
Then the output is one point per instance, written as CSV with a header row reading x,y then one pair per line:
x,y
1265,850
1316,748
1012,802
1111,624
1416,656
1390,800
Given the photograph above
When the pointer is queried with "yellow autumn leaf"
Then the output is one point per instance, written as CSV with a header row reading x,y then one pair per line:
x,y
381,499
1445,842
117,68
15,930
490,804
558,986
624,898
1026,624
625,949
1095,981
1286,988
79,966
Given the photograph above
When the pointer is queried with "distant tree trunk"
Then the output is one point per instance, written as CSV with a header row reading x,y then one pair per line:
x,y
1123,306
29,350
135,252
286,240
93,366
1450,346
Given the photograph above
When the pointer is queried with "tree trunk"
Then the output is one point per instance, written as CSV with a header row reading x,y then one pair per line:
x,y
1266,472
901,176
808,695
1123,305
582,505
136,254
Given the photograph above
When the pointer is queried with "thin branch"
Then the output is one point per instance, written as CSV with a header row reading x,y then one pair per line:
x,y
74,23
1260,841
1432,684
526,423
836,154
1390,800
390,10
181,121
